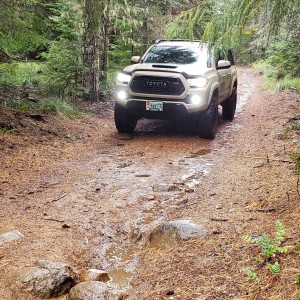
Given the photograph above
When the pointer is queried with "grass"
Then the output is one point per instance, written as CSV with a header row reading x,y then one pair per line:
x,y
56,106
21,73
271,82
17,76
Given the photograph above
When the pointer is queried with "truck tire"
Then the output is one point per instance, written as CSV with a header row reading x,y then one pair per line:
x,y
229,105
124,120
207,124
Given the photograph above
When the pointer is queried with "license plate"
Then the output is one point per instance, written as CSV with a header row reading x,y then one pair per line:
x,y
154,106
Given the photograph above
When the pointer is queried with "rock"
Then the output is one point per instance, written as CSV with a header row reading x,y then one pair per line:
x,y
10,236
175,231
94,275
90,290
48,279
161,187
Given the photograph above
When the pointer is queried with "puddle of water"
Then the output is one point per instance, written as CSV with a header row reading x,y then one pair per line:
x,y
122,264
200,152
149,215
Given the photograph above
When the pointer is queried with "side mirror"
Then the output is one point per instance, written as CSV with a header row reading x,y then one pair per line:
x,y
135,59
223,64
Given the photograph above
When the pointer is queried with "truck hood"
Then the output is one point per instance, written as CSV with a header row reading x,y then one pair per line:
x,y
187,70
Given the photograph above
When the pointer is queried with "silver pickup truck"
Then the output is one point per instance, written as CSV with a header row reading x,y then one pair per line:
x,y
180,80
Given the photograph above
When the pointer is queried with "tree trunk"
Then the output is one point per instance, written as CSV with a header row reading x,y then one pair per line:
x,y
91,46
145,29
105,47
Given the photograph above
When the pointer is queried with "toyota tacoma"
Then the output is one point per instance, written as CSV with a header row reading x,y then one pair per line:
x,y
179,80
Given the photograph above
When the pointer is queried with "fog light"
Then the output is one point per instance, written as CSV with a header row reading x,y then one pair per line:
x,y
195,99
122,95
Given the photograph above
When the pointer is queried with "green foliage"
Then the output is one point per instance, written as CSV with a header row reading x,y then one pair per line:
x,y
297,247
271,80
190,23
56,106
21,74
283,60
297,279
23,28
274,268
252,275
269,247
63,72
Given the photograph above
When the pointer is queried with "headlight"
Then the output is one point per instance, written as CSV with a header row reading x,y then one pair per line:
x,y
123,77
198,82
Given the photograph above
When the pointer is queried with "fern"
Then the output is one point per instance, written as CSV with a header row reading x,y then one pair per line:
x,y
280,233
274,268
249,238
269,247
252,275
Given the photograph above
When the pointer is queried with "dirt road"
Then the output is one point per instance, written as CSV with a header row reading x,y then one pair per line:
x,y
83,194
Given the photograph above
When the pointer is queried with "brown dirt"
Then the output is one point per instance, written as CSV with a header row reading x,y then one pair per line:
x,y
77,189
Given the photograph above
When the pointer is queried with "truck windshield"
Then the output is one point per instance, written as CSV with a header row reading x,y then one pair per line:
x,y
178,55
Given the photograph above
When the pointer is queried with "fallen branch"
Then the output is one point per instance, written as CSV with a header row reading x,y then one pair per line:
x,y
270,209
267,158
59,198
54,220
219,219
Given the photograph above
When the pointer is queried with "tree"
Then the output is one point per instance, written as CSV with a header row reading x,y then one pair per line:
x,y
91,47
23,29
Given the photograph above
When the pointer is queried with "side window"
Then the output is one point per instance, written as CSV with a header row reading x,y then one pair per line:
x,y
221,55
230,57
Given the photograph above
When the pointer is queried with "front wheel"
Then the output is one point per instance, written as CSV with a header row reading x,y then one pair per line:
x,y
124,120
207,121
229,106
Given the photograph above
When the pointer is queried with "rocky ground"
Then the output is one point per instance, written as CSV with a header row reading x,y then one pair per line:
x,y
79,193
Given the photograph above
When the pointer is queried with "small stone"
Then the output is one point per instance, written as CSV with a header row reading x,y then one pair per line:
x,y
189,190
166,187
10,236
65,226
94,275
169,292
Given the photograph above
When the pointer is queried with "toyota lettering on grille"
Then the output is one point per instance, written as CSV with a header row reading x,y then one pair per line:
x,y
155,83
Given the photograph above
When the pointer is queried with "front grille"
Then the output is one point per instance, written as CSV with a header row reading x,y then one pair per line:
x,y
157,85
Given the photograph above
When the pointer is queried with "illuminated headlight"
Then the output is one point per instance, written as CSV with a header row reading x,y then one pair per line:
x,y
123,77
198,82
195,99
122,95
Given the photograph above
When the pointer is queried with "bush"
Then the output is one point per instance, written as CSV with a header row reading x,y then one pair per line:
x,y
283,58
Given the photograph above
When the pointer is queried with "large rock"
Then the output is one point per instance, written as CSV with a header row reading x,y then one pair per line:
x,y
47,279
10,236
173,232
90,290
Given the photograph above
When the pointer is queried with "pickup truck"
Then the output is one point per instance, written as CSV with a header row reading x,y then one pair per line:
x,y
177,80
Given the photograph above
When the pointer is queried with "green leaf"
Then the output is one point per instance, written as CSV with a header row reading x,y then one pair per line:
x,y
252,275
274,268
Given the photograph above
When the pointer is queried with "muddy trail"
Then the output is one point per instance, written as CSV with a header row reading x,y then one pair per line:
x,y
82,194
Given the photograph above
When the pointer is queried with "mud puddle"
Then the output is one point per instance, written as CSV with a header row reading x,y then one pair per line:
x,y
122,263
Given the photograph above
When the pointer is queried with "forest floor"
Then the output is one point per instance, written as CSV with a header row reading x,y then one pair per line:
x,y
82,194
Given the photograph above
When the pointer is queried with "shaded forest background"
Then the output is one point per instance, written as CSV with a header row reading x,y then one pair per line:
x,y
54,51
